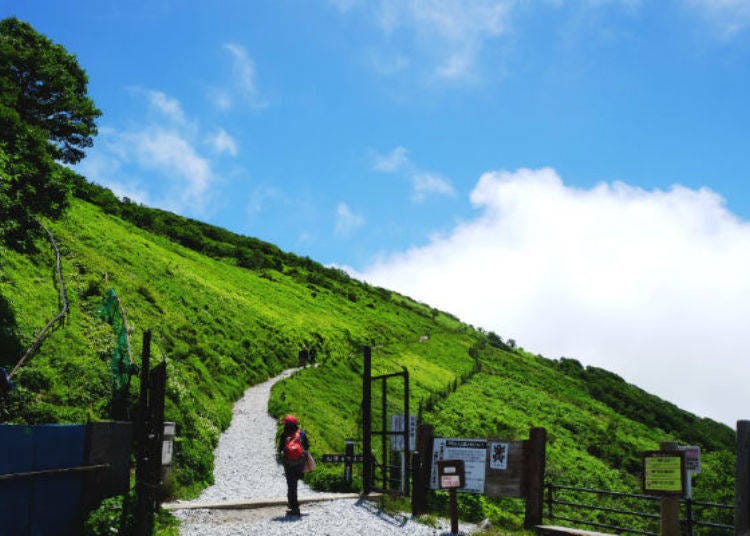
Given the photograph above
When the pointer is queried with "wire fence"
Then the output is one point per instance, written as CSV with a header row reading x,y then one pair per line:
x,y
631,513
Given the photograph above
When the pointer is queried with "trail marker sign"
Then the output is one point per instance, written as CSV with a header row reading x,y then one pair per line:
x,y
692,458
664,472
451,473
397,425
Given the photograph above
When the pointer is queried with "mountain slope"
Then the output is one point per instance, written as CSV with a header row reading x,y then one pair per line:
x,y
229,311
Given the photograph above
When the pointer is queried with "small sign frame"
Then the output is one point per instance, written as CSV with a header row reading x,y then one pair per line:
x,y
451,474
664,473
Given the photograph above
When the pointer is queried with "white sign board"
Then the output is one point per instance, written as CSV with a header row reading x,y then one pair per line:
x,y
499,456
692,459
397,425
473,452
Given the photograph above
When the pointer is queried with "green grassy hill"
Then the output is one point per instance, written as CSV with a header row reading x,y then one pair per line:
x,y
230,311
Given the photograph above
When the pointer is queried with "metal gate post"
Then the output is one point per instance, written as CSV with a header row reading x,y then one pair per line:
x,y
407,448
367,421
383,431
742,495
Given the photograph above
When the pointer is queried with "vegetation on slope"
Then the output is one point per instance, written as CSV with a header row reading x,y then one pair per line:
x,y
223,326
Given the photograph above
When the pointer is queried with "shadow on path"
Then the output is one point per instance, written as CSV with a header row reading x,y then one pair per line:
x,y
397,520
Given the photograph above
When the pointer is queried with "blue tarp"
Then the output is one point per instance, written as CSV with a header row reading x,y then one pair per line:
x,y
46,504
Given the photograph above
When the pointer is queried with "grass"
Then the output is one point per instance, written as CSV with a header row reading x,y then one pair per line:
x,y
222,327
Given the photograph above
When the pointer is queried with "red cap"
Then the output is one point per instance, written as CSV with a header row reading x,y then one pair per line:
x,y
290,419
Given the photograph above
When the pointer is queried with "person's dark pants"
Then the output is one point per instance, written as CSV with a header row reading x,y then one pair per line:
x,y
293,474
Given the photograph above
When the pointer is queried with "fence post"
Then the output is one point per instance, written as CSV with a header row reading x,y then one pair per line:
x,y
550,501
670,506
367,472
144,517
742,496
421,467
349,451
535,477
689,515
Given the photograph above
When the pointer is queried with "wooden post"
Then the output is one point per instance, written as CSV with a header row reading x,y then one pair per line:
x,y
157,390
454,511
670,506
742,496
367,472
144,519
422,468
535,477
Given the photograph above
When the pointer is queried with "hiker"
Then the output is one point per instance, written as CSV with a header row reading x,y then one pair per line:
x,y
302,356
293,446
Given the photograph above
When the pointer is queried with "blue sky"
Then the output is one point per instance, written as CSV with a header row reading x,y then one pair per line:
x,y
571,174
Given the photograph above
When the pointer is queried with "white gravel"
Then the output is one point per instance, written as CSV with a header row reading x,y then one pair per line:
x,y
245,468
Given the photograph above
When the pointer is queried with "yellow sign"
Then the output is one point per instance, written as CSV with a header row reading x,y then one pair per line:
x,y
662,473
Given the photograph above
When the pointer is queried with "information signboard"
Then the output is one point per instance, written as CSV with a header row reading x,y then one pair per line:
x,y
397,425
692,458
664,472
499,456
473,452
451,473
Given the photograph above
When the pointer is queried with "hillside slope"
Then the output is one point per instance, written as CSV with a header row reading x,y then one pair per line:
x,y
240,315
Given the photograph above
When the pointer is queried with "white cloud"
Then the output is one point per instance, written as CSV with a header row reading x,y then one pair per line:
x,y
392,162
649,284
347,221
168,106
222,142
177,161
729,16
450,33
423,183
159,162
427,183
244,83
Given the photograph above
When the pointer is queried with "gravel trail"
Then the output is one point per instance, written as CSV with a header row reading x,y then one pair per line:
x,y
245,468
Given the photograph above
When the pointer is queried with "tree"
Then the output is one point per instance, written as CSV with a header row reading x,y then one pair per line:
x,y
46,120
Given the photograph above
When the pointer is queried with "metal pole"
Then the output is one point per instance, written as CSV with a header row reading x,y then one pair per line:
x,y
742,496
142,526
550,502
367,421
383,429
407,447
349,451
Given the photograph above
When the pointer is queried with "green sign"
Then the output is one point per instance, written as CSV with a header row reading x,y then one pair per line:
x,y
664,473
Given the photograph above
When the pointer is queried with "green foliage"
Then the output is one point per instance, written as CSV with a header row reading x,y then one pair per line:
x,y
223,327
641,406
46,116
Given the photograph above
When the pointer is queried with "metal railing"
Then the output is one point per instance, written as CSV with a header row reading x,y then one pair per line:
x,y
624,504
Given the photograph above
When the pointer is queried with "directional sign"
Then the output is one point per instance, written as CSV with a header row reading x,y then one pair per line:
x,y
342,458
664,472
692,458
397,425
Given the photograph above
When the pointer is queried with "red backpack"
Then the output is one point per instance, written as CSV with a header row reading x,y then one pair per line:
x,y
293,449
